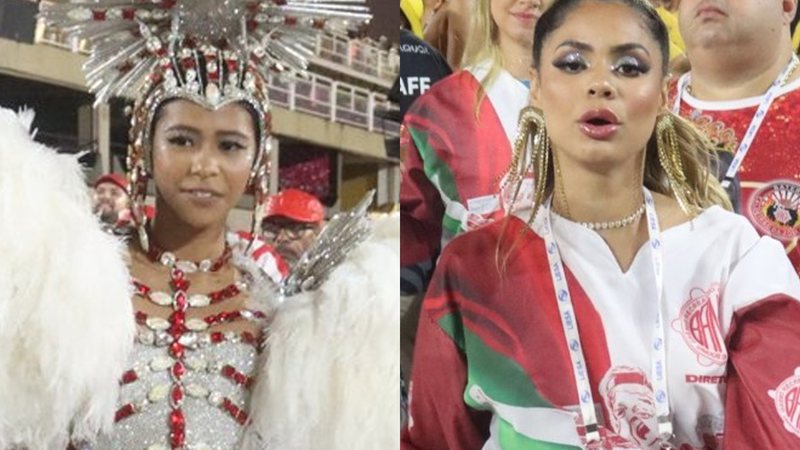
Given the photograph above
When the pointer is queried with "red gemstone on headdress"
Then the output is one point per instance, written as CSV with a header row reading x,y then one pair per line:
x,y
251,25
141,317
290,20
178,370
98,14
318,23
128,13
216,337
279,2
176,349
167,4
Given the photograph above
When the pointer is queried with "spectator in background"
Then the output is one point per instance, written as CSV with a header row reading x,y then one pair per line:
x,y
292,221
110,200
745,81
446,24
421,65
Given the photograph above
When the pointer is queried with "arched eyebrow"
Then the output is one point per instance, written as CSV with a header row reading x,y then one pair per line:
x,y
617,49
182,128
233,133
194,131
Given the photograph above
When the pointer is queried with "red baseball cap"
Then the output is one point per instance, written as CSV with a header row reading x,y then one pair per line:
x,y
113,178
296,205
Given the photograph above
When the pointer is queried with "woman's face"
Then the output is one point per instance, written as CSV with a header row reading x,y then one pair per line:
x,y
202,160
599,85
515,20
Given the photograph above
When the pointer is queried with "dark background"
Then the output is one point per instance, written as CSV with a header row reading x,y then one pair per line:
x,y
385,20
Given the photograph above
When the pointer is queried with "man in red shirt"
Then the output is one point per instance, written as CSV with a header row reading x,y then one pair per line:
x,y
743,93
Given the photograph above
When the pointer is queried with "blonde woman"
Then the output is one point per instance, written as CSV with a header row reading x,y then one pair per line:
x,y
457,136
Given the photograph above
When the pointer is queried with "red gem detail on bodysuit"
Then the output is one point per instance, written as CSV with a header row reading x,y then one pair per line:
x,y
129,377
177,425
176,395
178,370
124,412
176,350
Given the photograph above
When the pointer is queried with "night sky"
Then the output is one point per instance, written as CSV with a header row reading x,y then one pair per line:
x,y
386,19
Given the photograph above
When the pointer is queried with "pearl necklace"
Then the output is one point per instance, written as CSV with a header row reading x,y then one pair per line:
x,y
611,225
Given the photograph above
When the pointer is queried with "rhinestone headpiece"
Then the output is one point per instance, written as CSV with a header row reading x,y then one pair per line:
x,y
211,52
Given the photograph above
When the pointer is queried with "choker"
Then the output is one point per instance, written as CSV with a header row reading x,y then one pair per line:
x,y
168,259
612,224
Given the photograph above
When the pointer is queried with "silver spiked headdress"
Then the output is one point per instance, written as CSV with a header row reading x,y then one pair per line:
x,y
211,52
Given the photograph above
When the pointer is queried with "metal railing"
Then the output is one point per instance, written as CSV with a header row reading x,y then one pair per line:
x,y
358,55
317,95
333,100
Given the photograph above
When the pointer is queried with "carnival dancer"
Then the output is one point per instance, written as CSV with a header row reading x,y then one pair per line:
x,y
624,308
742,92
204,371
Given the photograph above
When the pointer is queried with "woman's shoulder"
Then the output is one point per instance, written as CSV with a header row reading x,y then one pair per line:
x,y
486,241
714,219
449,89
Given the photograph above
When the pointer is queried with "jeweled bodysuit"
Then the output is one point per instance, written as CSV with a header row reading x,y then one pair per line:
x,y
187,387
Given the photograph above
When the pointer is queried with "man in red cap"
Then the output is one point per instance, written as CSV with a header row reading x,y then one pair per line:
x,y
110,198
292,221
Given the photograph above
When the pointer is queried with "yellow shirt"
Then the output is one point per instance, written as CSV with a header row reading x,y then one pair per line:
x,y
676,46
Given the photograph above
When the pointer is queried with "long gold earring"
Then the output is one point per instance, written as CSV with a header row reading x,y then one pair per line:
x,y
670,157
525,161
540,159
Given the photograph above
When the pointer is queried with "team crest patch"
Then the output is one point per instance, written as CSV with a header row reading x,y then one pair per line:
x,y
775,209
787,402
699,325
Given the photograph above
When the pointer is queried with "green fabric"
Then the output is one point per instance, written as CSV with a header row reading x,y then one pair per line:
x,y
435,169
505,381
453,226
500,378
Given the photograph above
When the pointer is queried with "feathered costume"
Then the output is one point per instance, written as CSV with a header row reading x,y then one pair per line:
x,y
77,365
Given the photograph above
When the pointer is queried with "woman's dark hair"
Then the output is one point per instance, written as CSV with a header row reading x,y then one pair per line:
x,y
555,16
